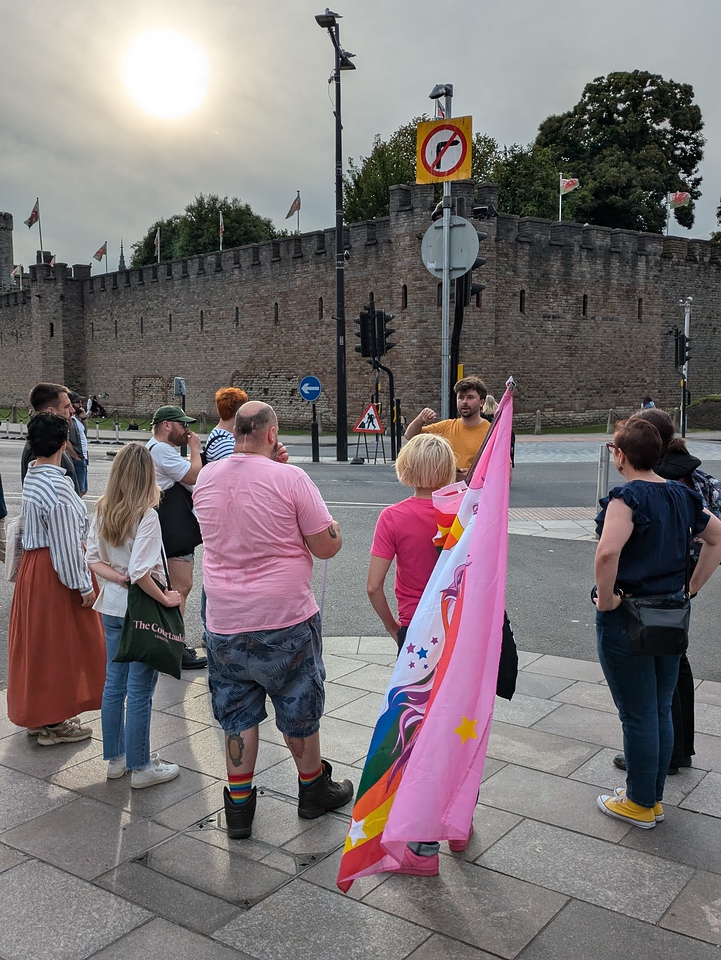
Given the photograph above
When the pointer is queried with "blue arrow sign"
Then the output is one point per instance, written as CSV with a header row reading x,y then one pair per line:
x,y
310,388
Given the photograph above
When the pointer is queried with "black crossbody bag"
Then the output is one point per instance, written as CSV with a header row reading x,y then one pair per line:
x,y
658,625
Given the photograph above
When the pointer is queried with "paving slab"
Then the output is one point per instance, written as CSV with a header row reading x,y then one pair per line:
x,y
707,718
68,918
193,809
198,709
525,657
696,912
336,667
363,711
708,752
539,685
529,747
373,677
282,778
168,898
581,930
337,695
9,858
601,771
220,873
205,752
466,901
706,796
709,691
341,741
294,922
596,871
438,947
325,874
591,726
567,667
21,752
595,696
556,800
686,837
160,939
23,798
522,710
86,837
169,691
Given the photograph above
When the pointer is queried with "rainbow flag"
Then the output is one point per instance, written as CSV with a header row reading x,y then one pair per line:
x,y
426,756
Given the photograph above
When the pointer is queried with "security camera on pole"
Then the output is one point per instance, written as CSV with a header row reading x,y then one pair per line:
x,y
443,153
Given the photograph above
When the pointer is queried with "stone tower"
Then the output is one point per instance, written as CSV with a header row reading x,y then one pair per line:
x,y
6,250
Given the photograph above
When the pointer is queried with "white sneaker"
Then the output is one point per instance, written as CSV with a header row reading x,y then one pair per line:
x,y
116,768
157,772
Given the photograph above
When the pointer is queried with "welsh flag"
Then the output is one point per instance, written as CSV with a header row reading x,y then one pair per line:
x,y
294,207
16,271
34,215
568,185
156,245
221,227
99,254
678,199
426,756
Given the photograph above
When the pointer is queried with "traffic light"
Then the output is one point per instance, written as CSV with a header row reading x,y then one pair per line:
x,y
366,332
687,349
471,287
683,349
383,332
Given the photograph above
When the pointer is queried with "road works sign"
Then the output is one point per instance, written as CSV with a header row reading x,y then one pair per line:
x,y
443,150
370,422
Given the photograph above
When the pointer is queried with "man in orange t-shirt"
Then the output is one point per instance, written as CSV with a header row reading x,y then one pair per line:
x,y
465,434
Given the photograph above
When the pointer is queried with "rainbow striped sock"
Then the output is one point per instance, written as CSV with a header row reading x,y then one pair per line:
x,y
240,787
306,779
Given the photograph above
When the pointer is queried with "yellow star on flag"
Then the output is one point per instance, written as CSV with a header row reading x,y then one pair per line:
x,y
467,730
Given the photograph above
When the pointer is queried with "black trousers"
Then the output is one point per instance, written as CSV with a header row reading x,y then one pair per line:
x,y
682,714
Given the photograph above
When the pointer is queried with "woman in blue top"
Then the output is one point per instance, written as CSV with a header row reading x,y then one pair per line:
x,y
644,528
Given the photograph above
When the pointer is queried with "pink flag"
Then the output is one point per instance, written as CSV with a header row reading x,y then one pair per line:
x,y
34,215
568,185
678,199
99,254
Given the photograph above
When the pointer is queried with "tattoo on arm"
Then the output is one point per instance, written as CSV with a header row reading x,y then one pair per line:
x,y
296,745
332,533
235,749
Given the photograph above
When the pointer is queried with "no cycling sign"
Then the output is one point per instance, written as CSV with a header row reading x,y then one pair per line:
x,y
443,150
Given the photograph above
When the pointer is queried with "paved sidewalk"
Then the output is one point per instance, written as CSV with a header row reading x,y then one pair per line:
x,y
89,868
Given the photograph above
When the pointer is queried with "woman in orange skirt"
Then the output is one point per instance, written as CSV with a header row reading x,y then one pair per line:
x,y
56,646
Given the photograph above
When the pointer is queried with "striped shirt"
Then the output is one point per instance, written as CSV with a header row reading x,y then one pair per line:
x,y
54,516
219,445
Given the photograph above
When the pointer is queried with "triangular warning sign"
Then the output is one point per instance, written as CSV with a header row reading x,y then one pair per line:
x,y
370,422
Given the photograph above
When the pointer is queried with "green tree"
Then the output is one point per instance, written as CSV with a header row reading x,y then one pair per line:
x,y
392,161
196,230
527,179
631,139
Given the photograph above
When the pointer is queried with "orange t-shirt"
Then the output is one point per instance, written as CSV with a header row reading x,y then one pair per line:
x,y
466,441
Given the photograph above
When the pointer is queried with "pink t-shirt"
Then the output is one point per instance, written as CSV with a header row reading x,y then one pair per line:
x,y
254,514
405,531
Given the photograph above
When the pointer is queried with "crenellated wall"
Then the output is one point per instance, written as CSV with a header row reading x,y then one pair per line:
x,y
580,315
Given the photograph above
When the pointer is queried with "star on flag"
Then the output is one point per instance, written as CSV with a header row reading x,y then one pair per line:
x,y
356,832
466,730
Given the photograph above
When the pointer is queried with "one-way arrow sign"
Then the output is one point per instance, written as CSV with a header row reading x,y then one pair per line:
x,y
310,388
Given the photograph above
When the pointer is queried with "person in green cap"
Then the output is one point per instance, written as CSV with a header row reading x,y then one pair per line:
x,y
176,478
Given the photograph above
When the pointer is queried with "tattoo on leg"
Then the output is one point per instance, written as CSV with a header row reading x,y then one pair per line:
x,y
296,745
235,749
331,532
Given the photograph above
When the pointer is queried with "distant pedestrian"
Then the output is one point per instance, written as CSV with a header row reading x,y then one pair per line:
x,y
647,403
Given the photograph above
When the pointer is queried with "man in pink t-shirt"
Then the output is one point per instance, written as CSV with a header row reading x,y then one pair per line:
x,y
262,524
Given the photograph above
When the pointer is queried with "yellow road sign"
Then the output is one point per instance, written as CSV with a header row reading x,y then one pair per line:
x,y
443,150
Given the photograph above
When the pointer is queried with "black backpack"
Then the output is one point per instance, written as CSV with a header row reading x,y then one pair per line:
x,y
208,445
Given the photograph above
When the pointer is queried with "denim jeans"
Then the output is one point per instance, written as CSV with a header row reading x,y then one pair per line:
x,y
642,688
127,703
81,474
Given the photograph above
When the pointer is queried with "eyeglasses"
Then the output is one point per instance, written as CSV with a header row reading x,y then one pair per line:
x,y
611,446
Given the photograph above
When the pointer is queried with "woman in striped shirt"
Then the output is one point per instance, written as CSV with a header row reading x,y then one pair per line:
x,y
56,647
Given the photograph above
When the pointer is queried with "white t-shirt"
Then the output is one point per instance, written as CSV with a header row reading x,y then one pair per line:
x,y
170,467
140,554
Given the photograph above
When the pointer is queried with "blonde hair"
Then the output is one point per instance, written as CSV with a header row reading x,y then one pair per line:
x,y
490,406
131,491
426,461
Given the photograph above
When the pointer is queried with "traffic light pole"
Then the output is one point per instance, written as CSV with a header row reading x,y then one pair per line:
x,y
446,281
684,369
391,403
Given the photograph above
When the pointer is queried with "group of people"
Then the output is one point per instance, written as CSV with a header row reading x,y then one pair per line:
x,y
261,521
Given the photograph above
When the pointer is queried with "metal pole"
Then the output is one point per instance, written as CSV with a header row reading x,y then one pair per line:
x,y
341,381
446,290
314,442
684,370
602,479
560,197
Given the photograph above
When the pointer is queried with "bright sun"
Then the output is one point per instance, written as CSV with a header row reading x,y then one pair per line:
x,y
166,73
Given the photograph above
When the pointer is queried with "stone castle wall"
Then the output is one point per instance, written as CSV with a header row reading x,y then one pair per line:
x,y
581,316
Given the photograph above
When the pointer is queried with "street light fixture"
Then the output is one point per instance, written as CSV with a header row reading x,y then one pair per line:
x,y
343,61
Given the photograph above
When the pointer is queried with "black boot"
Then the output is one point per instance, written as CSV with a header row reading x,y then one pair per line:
x,y
239,817
323,795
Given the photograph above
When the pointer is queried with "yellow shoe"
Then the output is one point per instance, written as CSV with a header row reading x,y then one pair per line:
x,y
658,813
622,808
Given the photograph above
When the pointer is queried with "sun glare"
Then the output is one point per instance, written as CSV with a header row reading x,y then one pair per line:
x,y
166,74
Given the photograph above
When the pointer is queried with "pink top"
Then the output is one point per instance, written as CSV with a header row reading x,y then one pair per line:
x,y
405,531
254,514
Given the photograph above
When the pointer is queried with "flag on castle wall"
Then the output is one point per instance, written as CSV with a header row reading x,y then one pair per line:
x,y
16,271
156,245
426,756
99,254
221,228
678,199
294,207
568,185
34,215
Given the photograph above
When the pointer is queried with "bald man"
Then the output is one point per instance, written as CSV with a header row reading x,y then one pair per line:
x,y
262,522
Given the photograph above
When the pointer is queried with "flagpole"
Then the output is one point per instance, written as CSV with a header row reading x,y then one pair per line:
x,y
220,230
297,216
510,387
560,196
106,256
668,213
40,229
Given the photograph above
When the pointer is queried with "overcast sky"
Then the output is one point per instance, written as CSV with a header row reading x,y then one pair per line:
x,y
104,169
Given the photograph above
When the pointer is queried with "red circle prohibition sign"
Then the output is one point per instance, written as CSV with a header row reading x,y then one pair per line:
x,y
454,132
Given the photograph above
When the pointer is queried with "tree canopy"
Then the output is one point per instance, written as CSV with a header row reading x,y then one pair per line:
x,y
196,230
630,140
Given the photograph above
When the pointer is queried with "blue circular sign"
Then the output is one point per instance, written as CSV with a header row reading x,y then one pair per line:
x,y
310,388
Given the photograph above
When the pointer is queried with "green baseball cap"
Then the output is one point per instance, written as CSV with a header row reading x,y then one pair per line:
x,y
172,413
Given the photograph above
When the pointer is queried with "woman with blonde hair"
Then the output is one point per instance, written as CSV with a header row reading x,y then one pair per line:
x,y
125,546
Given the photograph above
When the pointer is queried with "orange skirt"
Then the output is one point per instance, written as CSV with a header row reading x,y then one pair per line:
x,y
56,648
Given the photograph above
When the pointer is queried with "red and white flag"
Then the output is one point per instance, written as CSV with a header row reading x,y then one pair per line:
x,y
16,271
221,227
294,207
34,216
679,199
568,185
99,254
440,111
52,261
156,245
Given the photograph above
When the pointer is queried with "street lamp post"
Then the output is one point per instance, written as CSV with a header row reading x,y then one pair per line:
x,y
329,21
